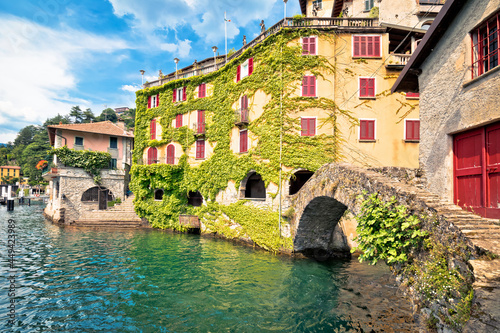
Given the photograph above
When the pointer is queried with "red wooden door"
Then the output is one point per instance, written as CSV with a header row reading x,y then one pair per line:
x,y
170,154
493,171
469,169
152,155
477,170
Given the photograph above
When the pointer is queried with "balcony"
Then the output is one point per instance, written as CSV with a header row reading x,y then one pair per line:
x,y
210,65
49,173
199,128
397,60
241,117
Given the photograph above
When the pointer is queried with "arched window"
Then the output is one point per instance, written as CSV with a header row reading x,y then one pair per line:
x,y
253,187
152,155
92,194
170,154
298,180
195,199
159,194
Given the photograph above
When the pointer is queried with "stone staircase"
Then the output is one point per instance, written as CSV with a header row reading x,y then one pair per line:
x,y
118,216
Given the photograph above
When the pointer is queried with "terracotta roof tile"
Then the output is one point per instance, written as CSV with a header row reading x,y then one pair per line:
x,y
102,127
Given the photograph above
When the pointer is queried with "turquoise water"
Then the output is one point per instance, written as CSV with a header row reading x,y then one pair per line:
x,y
82,280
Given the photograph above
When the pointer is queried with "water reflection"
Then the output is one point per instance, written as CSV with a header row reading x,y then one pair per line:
x,y
90,280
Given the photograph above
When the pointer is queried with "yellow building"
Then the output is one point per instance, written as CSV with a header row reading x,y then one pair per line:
x,y
8,172
306,92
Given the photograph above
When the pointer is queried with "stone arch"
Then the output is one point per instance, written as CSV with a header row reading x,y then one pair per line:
x,y
253,187
195,199
159,194
298,179
92,194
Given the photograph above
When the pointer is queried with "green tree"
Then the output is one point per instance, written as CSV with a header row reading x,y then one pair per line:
x,y
88,116
108,114
129,118
57,120
76,113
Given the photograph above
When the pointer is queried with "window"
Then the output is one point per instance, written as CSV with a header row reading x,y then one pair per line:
x,y
244,109
152,129
243,141
153,101
318,4
112,163
202,90
200,149
200,125
369,4
309,86
152,156
367,87
309,45
170,154
367,129
195,199
113,142
158,194
179,94
485,46
78,141
308,126
412,95
178,121
366,46
244,70
412,130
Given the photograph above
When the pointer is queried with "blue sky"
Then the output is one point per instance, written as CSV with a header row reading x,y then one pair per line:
x,y
59,53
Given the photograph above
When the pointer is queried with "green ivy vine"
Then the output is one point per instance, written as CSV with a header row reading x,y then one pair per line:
x,y
90,161
278,70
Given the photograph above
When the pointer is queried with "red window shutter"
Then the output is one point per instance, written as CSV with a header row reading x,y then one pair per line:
x,y
356,45
376,46
371,87
305,45
170,154
244,102
305,82
250,66
412,95
200,149
178,121
312,45
174,95
158,100
202,90
312,86
362,46
149,102
152,129
238,73
303,126
243,141
367,87
152,155
312,126
413,130
201,121
367,130
369,46
184,93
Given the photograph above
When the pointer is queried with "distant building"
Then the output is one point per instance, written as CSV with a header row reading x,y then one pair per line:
x,y
120,111
8,172
456,70
72,190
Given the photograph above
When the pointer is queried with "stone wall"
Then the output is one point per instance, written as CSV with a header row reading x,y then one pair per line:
x,y
450,102
67,206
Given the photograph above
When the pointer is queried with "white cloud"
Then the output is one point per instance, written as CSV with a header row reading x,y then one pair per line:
x,y
130,88
182,48
205,17
37,65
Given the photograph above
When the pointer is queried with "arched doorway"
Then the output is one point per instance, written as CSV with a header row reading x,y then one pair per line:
x,y
253,187
98,194
195,199
298,179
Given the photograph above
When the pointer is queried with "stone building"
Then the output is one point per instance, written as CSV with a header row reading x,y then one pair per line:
x,y
72,190
457,73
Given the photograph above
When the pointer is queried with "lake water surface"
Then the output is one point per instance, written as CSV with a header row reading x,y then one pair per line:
x,y
83,280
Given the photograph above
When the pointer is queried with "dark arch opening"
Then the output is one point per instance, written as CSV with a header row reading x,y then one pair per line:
x,y
255,188
298,180
317,233
195,199
92,194
159,194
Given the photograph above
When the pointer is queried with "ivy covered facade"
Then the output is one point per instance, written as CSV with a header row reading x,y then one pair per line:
x,y
231,143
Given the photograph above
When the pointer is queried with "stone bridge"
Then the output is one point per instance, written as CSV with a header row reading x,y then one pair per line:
x,y
323,225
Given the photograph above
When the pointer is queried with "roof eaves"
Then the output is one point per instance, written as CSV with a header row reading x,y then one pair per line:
x,y
408,79
303,6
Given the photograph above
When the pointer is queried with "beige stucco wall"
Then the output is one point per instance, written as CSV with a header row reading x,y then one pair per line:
x,y
450,101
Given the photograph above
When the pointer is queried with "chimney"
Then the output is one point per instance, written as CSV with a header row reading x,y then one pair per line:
x,y
60,123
